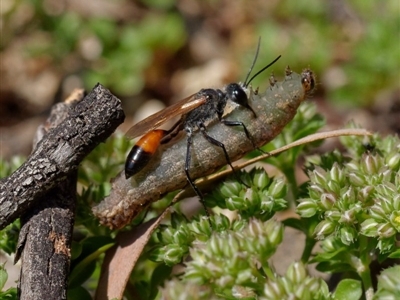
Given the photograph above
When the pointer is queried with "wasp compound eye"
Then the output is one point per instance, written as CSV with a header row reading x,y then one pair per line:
x,y
236,94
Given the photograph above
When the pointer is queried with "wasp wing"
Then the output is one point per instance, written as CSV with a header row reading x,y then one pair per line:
x,y
156,120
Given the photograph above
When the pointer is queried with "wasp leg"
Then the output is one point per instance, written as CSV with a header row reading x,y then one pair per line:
x,y
239,123
213,141
172,132
187,166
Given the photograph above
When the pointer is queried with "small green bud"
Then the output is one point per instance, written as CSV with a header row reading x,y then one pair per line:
x,y
353,166
275,232
255,227
307,208
393,160
314,285
278,188
316,191
334,187
286,285
347,235
356,179
369,227
173,254
232,246
333,215
167,235
328,200
386,204
231,188
202,227
336,173
267,203
216,246
369,164
264,247
349,196
385,244
385,174
348,216
366,192
329,244
201,268
252,198
221,222
249,243
296,272
239,225
272,290
386,230
244,276
386,189
319,176
323,229
377,212
181,237
302,292
261,179
235,203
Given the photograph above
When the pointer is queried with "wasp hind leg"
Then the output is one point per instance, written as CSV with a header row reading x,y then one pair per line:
x,y
213,141
189,179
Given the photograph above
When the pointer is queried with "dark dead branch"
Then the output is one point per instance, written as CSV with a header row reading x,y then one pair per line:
x,y
44,243
59,152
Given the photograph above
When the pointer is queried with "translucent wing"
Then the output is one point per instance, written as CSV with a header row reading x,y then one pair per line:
x,y
156,120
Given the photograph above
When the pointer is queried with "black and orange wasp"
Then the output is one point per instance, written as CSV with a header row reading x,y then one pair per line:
x,y
196,112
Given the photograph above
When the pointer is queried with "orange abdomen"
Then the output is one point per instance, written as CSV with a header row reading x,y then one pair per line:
x,y
143,151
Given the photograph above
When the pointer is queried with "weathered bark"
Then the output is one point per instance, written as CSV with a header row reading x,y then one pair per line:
x,y
46,205
59,153
45,238
45,243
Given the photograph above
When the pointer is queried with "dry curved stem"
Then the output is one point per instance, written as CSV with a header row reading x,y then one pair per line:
x,y
209,180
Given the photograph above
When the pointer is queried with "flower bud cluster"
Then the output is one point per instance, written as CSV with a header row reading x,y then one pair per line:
x,y
296,284
361,196
264,197
173,242
178,289
230,261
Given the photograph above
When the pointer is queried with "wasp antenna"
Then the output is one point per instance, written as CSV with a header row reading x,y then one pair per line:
x,y
254,62
262,70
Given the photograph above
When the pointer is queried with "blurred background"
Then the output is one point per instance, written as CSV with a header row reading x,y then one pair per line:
x,y
150,53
